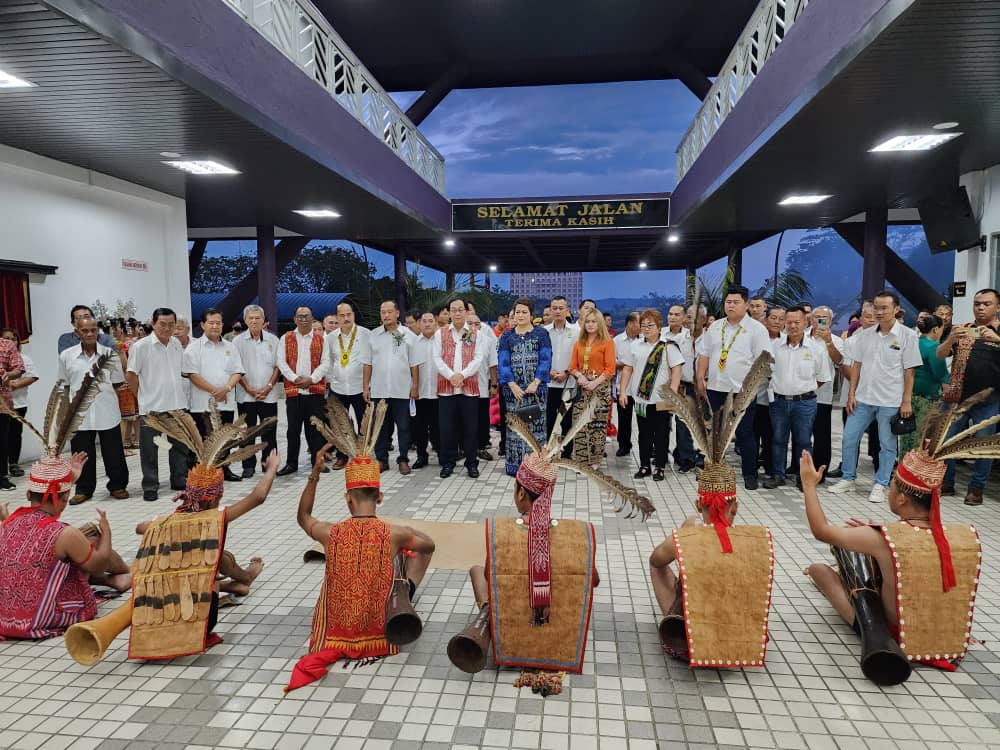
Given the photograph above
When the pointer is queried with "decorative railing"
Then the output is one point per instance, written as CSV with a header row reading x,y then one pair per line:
x,y
768,25
304,35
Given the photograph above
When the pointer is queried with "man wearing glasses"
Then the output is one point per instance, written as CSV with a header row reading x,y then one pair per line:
x,y
303,359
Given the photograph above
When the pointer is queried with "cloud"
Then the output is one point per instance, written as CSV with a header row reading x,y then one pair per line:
x,y
479,183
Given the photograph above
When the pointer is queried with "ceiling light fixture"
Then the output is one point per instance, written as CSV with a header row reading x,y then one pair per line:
x,y
170,155
449,243
7,81
673,237
318,213
642,264
202,167
921,142
946,125
803,200
493,267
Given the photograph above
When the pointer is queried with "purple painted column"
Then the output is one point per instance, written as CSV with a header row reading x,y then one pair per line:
x,y
267,286
399,276
873,271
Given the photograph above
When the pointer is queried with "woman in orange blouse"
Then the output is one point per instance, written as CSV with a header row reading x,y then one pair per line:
x,y
593,366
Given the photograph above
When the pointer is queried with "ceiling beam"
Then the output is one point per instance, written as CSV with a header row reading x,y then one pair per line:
x,y
240,295
195,256
529,248
685,71
436,93
592,252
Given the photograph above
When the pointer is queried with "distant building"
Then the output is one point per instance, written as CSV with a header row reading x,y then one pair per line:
x,y
548,285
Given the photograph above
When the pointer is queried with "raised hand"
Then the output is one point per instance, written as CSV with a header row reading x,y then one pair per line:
x,y
808,472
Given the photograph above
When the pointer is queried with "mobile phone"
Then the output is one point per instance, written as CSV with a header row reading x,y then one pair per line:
x,y
822,322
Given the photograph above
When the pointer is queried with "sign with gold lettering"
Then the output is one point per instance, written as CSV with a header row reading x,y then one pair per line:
x,y
608,213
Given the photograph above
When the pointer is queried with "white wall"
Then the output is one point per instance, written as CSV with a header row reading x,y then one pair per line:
x,y
85,223
976,268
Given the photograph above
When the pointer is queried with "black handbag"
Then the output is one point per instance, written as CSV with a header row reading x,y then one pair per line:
x,y
528,413
903,426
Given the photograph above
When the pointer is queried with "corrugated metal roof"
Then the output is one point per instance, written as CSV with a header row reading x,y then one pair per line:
x,y
321,303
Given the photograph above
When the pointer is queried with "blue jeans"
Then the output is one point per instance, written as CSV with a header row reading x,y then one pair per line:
x,y
745,439
856,425
981,468
795,417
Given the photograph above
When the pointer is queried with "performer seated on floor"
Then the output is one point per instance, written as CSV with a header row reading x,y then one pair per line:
x,y
46,566
535,592
715,611
936,567
364,554
175,592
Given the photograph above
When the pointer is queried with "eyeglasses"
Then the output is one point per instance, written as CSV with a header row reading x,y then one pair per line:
x,y
303,317
647,325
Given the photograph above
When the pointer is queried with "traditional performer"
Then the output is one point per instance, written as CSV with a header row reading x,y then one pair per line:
x,y
939,565
535,592
46,566
175,595
372,567
715,609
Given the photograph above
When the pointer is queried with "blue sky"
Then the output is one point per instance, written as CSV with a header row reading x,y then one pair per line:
x,y
565,140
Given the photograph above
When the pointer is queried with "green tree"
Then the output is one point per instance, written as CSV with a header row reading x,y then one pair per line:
x,y
791,289
221,273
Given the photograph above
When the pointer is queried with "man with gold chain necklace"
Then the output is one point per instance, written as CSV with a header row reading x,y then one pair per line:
x,y
725,354
347,345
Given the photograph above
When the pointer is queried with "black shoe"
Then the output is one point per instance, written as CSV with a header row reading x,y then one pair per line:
x,y
836,473
229,476
446,471
750,483
6,485
150,496
658,475
16,471
383,466
248,474
623,452
770,484
473,473
420,463
685,467
484,455
287,469
644,472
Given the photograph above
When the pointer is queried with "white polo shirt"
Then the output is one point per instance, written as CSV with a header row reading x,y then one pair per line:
x,y
685,343
744,342
798,369
640,353
303,361
824,394
216,362
447,369
428,386
74,365
19,397
349,380
623,353
259,358
161,387
563,340
391,355
883,360
490,359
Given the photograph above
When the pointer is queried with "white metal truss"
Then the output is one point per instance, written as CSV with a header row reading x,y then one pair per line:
x,y
304,35
768,25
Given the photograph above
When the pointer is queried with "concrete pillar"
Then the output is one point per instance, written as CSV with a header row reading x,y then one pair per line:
x,y
873,271
195,257
399,277
978,269
449,281
267,276
690,285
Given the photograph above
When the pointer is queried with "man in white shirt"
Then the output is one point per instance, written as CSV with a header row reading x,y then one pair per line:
x,y
19,400
391,372
348,347
154,375
623,358
726,352
304,360
885,358
684,455
758,309
487,382
425,422
256,394
214,368
774,322
458,354
331,323
102,419
833,350
563,336
800,367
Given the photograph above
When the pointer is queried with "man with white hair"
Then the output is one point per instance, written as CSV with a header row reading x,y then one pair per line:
x,y
256,394
348,347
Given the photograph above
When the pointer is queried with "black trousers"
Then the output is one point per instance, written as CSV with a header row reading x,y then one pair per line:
x,y
13,438
397,415
503,424
355,402
112,453
744,435
822,436
459,423
483,426
425,427
654,437
4,438
625,425
298,410
180,459
255,412
552,410
763,433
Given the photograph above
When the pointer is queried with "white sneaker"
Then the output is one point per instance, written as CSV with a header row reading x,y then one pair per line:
x,y
877,495
843,486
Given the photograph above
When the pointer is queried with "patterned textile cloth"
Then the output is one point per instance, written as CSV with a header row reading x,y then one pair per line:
x,y
292,357
522,359
590,442
921,408
10,359
349,619
40,595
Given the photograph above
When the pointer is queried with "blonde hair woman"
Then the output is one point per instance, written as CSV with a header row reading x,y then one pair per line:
x,y
593,366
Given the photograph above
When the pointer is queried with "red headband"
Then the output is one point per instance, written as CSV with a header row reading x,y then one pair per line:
x,y
944,549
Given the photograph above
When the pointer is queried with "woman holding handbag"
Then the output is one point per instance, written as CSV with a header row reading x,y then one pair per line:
x,y
593,366
524,359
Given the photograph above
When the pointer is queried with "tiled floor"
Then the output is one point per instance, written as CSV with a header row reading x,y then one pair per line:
x,y
811,695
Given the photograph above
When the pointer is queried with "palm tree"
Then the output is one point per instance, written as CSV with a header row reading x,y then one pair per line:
x,y
791,289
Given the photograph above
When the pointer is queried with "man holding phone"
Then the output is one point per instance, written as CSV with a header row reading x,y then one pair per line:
x,y
833,348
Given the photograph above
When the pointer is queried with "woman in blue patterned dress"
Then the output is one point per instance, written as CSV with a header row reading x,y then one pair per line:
x,y
524,360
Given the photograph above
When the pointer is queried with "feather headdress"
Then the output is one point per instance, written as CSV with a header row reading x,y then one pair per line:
x,y
358,446
922,470
52,475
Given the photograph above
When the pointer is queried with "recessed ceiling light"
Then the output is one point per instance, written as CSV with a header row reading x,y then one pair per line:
x,y
202,167
673,237
493,267
802,200
449,243
318,213
642,264
170,155
7,81
946,125
922,142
